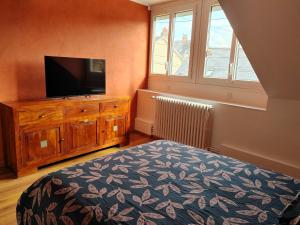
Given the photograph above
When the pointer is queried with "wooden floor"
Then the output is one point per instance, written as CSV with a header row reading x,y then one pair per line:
x,y
11,188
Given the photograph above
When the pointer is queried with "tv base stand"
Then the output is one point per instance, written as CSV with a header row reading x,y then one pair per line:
x,y
37,133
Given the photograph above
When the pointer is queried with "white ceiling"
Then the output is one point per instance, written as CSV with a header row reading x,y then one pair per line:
x,y
149,2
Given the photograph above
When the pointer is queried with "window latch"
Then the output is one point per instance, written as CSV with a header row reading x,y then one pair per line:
x,y
231,70
167,67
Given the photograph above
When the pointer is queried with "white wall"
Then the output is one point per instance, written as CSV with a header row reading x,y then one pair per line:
x,y
269,33
240,96
269,138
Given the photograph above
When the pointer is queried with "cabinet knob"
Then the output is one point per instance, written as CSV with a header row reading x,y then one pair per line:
x,y
62,140
83,110
42,116
116,106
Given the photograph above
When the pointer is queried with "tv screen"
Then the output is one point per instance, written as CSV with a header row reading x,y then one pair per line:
x,y
74,76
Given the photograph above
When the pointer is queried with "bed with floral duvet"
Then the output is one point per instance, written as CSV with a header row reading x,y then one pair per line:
x,y
161,182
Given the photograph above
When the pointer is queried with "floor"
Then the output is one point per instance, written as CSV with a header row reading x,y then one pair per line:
x,y
11,188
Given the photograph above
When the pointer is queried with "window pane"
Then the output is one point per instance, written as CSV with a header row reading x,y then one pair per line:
x,y
244,70
160,44
181,43
218,45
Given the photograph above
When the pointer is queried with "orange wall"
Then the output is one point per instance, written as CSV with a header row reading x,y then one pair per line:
x,y
116,30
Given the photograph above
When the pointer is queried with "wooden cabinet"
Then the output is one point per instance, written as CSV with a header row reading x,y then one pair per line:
x,y
82,134
40,144
113,129
37,133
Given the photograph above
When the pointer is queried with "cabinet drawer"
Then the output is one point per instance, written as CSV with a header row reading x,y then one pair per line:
x,y
81,110
114,106
38,116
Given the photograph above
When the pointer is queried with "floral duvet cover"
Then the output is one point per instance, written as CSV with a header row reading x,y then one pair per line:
x,y
161,182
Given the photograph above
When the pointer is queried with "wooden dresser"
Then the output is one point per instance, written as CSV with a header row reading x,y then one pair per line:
x,y
37,133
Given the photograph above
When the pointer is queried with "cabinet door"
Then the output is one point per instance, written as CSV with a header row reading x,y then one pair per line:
x,y
40,144
113,129
82,134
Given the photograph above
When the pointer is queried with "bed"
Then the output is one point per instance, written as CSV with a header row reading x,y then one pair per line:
x,y
161,182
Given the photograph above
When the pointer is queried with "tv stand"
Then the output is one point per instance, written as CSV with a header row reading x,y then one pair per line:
x,y
37,133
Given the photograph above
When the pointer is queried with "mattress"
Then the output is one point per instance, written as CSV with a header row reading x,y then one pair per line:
x,y
161,182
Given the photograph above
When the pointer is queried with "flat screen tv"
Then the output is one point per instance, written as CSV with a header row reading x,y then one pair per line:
x,y
74,76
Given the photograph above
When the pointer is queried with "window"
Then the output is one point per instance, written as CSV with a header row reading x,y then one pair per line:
x,y
195,52
244,70
181,44
225,57
160,46
171,49
218,48
193,42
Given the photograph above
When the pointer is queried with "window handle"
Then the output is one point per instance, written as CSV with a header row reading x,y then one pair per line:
x,y
167,67
231,70
208,52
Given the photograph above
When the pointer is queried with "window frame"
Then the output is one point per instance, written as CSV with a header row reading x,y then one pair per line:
x,y
229,82
231,55
171,49
201,14
152,43
171,9
234,74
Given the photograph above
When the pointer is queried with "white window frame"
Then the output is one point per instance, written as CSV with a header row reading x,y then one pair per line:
x,y
201,13
172,9
229,82
152,43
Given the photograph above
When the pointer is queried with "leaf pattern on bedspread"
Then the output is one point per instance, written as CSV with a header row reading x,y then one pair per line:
x,y
162,182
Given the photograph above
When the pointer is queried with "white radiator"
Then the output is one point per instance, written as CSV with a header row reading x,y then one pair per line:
x,y
183,121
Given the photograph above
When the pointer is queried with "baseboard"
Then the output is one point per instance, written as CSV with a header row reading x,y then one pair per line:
x,y
143,126
259,160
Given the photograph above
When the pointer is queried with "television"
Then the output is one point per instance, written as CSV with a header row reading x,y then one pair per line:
x,y
67,76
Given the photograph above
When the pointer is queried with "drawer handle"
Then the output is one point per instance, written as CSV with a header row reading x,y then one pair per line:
x,y
83,110
116,106
42,116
